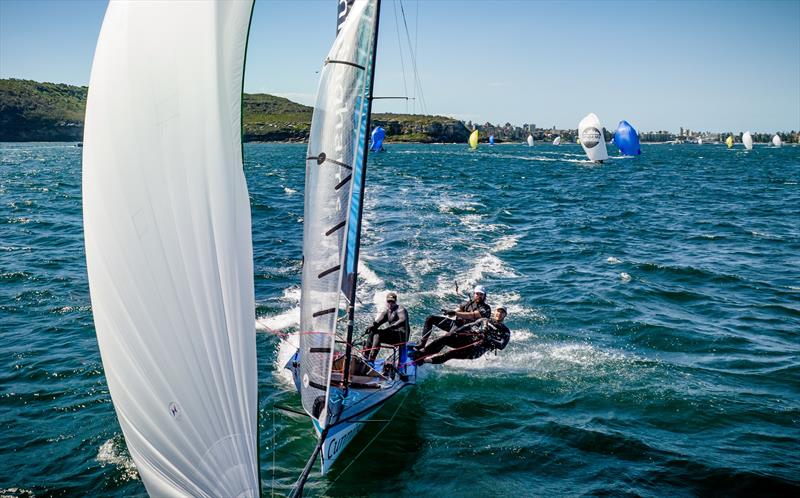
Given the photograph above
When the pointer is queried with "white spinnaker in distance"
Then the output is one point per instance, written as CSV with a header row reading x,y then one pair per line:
x,y
747,140
530,140
593,141
557,141
333,172
776,141
168,242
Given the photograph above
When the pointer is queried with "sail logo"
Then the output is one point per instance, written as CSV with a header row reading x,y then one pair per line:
x,y
590,137
343,8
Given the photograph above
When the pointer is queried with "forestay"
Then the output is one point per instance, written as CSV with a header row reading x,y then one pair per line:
x,y
334,188
168,244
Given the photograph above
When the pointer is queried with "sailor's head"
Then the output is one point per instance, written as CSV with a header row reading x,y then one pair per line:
x,y
391,300
480,293
500,313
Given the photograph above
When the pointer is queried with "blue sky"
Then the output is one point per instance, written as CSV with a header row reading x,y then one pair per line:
x,y
714,65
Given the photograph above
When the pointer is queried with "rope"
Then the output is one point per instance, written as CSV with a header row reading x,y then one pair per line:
x,y
370,441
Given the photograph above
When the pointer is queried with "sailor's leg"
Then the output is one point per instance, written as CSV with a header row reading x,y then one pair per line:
x,y
373,345
470,353
434,320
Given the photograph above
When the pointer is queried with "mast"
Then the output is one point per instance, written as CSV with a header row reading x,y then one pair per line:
x,y
351,298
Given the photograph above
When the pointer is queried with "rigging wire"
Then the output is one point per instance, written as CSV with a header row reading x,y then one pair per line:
x,y
400,47
417,81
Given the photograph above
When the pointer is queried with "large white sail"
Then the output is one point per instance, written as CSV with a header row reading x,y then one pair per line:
x,y
590,132
776,140
335,173
747,140
168,242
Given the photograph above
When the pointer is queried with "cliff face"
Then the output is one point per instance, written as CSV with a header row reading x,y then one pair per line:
x,y
33,111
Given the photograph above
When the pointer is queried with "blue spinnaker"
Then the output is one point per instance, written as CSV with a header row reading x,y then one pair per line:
x,y
376,142
491,139
627,139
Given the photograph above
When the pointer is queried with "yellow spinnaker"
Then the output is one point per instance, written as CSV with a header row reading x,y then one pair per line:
x,y
473,140
729,141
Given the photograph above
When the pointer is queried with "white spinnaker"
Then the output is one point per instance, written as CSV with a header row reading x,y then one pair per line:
x,y
593,142
776,141
530,140
335,153
747,140
557,141
168,242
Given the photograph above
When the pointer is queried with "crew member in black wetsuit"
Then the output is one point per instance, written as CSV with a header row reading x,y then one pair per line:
x,y
395,332
470,341
474,309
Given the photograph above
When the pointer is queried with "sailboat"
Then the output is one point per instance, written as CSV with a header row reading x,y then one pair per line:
x,y
473,140
338,388
729,141
557,141
626,139
699,141
747,140
168,243
530,140
376,139
590,133
776,140
491,139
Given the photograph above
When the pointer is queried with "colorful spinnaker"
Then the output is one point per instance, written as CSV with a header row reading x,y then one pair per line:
x,y
473,140
590,132
627,140
376,139
729,141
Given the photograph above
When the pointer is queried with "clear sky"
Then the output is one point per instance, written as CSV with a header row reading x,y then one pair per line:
x,y
704,65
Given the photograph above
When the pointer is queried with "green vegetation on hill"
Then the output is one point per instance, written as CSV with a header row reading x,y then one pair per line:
x,y
33,111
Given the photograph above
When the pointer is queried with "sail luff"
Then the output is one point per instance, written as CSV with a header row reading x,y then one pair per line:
x,y
353,281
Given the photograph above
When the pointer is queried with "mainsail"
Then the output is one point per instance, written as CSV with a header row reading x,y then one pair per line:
x,y
473,139
335,173
168,242
590,132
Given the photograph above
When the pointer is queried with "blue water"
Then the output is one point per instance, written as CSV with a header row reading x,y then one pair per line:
x,y
654,303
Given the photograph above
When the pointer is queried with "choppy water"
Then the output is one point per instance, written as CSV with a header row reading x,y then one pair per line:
x,y
655,304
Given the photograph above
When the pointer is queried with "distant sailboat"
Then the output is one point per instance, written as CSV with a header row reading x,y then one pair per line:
x,y
376,139
168,243
747,140
590,132
557,141
699,141
626,139
491,139
729,141
530,140
776,141
473,140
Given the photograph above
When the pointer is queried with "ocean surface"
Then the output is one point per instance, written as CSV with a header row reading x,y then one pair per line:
x,y
654,303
